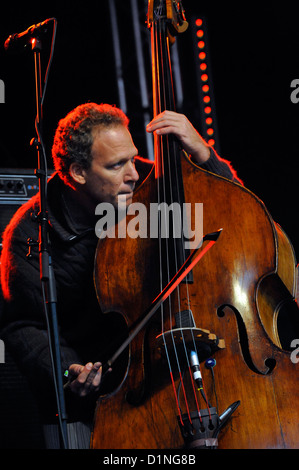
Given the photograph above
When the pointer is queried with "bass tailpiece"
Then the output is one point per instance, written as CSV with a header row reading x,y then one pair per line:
x,y
203,430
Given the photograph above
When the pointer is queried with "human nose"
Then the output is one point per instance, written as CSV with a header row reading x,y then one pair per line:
x,y
132,174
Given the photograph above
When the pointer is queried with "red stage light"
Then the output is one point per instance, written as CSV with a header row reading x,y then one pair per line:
x,y
204,73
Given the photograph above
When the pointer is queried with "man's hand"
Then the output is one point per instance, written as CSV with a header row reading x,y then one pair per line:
x,y
170,122
84,379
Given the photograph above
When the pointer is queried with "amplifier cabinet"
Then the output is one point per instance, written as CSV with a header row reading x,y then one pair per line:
x,y
16,187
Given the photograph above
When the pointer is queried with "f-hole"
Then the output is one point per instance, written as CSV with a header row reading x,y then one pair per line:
x,y
269,362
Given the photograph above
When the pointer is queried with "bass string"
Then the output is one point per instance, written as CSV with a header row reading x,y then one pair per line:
x,y
173,162
164,79
159,172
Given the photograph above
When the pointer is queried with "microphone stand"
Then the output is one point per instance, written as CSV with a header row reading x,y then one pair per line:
x,y
46,268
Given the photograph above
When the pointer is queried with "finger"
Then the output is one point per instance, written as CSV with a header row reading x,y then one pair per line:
x,y
94,377
97,377
169,115
87,384
166,116
78,383
162,122
167,130
75,369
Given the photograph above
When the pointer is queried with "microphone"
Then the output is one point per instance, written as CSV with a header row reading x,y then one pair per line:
x,y
194,362
21,39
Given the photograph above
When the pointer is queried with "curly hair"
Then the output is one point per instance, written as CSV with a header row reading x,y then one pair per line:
x,y
74,138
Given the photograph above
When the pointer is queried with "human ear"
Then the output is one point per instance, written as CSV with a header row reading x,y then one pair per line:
x,y
77,173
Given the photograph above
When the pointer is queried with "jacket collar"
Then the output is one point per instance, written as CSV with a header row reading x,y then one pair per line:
x,y
64,221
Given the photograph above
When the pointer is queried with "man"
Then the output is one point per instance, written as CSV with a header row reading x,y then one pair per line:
x,y
95,161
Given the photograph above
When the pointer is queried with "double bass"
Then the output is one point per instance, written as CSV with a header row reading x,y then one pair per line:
x,y
214,366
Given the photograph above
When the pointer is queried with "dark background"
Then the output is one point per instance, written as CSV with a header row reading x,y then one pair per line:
x,y
254,52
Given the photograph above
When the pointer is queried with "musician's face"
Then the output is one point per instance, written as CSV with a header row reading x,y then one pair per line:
x,y
112,172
